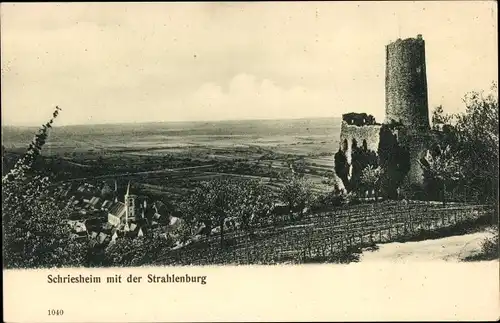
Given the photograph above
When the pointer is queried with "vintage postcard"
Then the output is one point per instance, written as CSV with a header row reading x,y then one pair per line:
x,y
250,161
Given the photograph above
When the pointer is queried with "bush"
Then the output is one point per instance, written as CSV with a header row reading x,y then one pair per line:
x,y
361,159
489,247
297,195
414,192
333,198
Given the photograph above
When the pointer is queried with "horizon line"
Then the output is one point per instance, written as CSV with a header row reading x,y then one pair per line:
x,y
167,121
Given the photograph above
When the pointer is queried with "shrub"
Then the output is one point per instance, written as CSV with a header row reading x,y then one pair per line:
x,y
361,159
333,198
297,194
489,247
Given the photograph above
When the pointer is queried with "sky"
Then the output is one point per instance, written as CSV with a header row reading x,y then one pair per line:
x,y
140,62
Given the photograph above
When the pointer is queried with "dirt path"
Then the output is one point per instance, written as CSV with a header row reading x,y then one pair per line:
x,y
453,249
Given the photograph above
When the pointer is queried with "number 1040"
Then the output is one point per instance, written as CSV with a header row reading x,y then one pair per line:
x,y
55,312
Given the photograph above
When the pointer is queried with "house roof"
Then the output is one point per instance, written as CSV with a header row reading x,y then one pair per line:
x,y
106,204
94,200
77,235
102,236
174,221
118,209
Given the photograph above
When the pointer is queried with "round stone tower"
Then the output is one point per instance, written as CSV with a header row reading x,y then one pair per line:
x,y
406,99
406,84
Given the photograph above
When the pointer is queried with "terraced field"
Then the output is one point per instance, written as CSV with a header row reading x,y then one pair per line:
x,y
325,234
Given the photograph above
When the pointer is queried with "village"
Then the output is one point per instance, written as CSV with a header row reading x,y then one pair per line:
x,y
101,215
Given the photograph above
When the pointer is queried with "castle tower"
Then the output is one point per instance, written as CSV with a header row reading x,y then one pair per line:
x,y
406,83
406,99
129,205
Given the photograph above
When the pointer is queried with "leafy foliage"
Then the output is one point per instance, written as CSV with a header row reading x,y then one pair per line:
x,y
370,179
361,158
297,194
34,235
341,166
126,251
333,198
255,203
217,200
477,131
439,117
489,247
444,167
394,161
472,137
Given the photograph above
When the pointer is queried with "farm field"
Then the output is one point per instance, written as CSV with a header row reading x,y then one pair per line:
x,y
168,159
326,234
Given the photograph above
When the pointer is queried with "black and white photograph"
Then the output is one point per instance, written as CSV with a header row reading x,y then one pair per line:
x,y
248,134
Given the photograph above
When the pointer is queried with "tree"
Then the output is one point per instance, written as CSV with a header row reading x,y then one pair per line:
x,y
361,158
5,163
34,233
439,117
255,202
106,191
126,252
297,194
477,131
443,129
444,167
136,251
214,201
370,178
299,167
394,160
341,166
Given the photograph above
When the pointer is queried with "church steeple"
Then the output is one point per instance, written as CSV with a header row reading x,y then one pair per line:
x,y
116,192
129,204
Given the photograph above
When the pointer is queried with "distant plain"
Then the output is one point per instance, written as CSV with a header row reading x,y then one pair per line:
x,y
166,159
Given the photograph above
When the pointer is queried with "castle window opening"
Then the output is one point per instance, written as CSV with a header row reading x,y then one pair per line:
x,y
345,145
354,143
365,144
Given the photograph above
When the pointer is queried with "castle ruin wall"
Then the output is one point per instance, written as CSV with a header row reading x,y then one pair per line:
x,y
368,135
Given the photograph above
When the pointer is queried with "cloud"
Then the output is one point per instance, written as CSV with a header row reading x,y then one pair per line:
x,y
193,61
249,97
